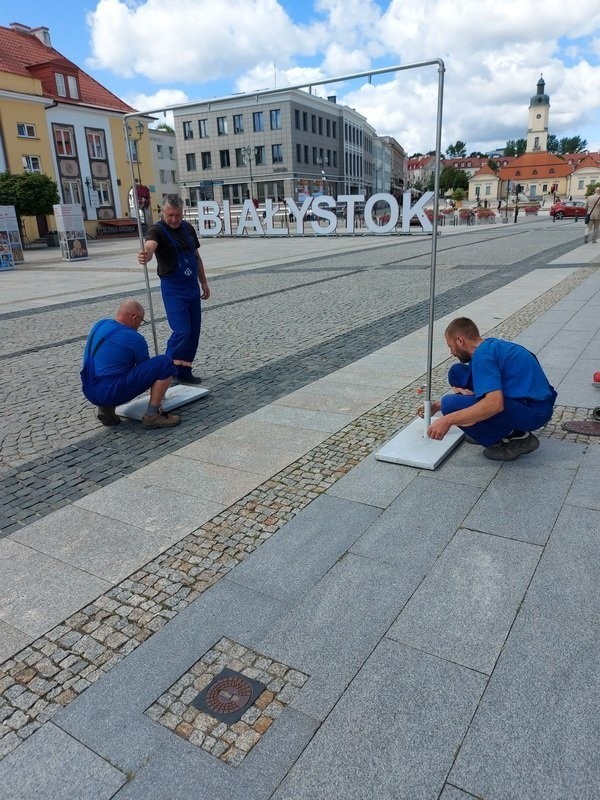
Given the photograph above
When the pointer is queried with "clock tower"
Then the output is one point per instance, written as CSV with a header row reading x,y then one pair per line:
x,y
539,110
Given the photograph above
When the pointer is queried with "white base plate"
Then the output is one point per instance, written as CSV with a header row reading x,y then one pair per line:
x,y
178,395
410,446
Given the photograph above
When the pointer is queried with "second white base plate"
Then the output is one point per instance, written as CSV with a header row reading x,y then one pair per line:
x,y
176,396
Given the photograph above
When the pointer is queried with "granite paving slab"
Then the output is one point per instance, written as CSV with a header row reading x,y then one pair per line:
x,y
333,629
51,765
464,608
412,532
207,481
255,446
520,502
584,489
32,596
104,547
536,733
302,418
452,793
376,483
11,640
338,397
171,514
290,563
466,464
392,735
567,581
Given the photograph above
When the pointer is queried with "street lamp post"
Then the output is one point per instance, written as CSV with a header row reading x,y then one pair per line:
x,y
323,162
249,154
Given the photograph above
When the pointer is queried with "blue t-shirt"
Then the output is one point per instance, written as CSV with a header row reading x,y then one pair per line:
x,y
122,350
498,364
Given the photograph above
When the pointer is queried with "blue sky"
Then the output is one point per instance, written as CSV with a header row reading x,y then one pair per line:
x,y
154,54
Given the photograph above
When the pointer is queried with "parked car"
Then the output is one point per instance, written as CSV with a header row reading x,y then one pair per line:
x,y
568,208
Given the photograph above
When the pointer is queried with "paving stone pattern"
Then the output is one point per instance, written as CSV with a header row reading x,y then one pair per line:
x,y
229,743
266,334
59,666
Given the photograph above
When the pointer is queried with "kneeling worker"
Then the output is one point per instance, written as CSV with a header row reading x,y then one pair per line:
x,y
117,367
499,394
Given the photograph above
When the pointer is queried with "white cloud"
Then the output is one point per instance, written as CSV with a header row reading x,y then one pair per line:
x,y
493,55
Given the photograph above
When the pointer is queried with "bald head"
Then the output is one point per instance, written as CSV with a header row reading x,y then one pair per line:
x,y
130,313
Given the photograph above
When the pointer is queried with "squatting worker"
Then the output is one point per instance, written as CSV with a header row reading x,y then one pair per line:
x,y
499,394
117,367
182,282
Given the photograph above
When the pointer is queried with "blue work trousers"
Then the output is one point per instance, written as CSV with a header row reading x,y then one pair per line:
x,y
521,415
184,314
115,390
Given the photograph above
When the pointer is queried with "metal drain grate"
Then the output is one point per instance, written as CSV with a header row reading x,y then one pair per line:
x,y
228,696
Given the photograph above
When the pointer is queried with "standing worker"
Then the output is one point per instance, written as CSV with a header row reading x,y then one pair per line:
x,y
592,206
182,281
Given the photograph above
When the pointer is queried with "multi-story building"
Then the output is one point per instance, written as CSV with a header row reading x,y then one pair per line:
x,y
164,160
273,145
57,120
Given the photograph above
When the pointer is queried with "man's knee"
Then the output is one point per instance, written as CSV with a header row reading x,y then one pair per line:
x,y
163,367
459,375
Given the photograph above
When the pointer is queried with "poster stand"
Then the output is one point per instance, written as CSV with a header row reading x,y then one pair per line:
x,y
11,249
71,232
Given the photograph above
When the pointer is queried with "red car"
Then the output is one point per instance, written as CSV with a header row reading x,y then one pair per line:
x,y
568,208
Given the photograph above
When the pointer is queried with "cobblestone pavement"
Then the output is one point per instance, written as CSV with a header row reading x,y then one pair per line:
x,y
266,333
56,668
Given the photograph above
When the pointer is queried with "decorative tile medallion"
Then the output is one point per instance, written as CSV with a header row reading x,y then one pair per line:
x,y
228,700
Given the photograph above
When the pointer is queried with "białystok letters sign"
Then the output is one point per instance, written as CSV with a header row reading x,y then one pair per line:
x,y
215,220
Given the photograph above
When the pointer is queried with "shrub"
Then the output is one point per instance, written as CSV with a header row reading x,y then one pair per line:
x,y
483,213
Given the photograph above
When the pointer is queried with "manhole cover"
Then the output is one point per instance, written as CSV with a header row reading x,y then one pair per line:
x,y
228,696
589,427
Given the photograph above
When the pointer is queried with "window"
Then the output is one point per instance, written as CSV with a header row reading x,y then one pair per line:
x,y
334,154
72,84
190,161
580,184
171,152
104,195
238,123
222,126
162,175
203,128
320,126
95,143
159,151
224,158
64,141
305,120
133,149
188,132
314,158
61,89
297,118
488,189
306,154
32,164
313,123
257,121
239,157
173,176
328,127
334,129
276,154
299,153
275,115
206,160
259,154
71,191
23,129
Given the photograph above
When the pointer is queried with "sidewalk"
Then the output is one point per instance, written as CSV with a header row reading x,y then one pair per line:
x,y
420,634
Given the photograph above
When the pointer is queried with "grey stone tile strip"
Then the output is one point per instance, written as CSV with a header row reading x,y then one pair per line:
x,y
56,668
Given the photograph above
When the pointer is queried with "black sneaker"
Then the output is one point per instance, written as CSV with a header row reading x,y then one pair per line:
x,y
107,416
509,449
189,379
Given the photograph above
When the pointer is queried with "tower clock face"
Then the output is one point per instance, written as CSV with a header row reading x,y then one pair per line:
x,y
538,116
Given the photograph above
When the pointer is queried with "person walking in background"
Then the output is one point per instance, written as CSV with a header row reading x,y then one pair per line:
x,y
117,367
593,212
499,394
182,281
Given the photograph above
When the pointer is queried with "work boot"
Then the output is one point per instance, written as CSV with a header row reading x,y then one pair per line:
x,y
161,420
185,376
509,449
107,416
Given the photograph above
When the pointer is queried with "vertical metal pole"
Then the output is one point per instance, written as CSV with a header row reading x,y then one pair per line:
x,y
136,207
436,191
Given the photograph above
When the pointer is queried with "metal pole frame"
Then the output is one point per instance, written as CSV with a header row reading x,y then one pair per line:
x,y
283,90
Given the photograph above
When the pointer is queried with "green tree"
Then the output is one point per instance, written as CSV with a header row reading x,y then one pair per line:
x,y
572,144
456,150
452,178
164,126
591,188
515,147
493,164
29,193
553,145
